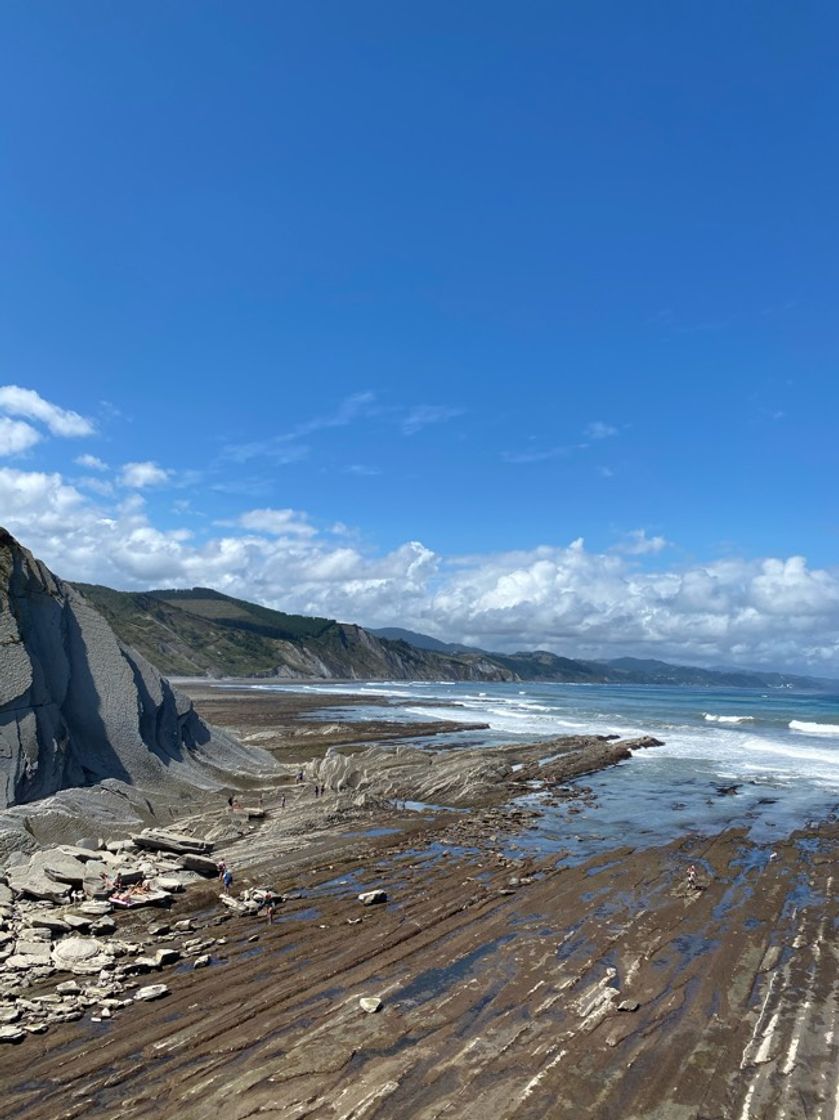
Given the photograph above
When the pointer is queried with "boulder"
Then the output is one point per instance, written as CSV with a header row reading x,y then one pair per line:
x,y
31,881
102,926
80,923
82,955
370,1004
12,1034
233,903
167,883
56,926
202,864
29,954
164,840
166,956
372,898
151,991
95,907
59,867
202,961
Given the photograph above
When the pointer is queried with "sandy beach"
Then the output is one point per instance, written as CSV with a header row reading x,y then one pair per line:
x,y
625,986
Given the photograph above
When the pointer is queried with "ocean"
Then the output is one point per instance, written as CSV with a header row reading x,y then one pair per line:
x,y
779,748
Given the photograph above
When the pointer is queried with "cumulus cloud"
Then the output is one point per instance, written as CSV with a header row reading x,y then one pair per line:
x,y
277,522
17,401
774,612
16,436
91,463
637,543
139,475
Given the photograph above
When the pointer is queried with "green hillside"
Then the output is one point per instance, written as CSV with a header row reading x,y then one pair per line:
x,y
201,632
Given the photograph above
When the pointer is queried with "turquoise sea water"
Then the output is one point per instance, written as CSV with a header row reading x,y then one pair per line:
x,y
779,748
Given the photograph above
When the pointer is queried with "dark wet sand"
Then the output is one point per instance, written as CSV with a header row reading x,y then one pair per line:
x,y
501,983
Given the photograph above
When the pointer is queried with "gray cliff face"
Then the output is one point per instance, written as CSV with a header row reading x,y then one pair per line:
x,y
78,707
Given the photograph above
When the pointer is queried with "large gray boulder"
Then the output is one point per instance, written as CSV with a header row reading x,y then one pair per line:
x,y
80,709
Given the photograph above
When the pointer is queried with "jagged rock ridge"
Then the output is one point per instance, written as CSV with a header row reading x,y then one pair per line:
x,y
79,707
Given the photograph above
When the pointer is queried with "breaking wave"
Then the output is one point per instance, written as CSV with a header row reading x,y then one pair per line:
x,y
712,718
814,728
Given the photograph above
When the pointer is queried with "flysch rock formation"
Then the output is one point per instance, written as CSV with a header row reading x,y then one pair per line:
x,y
90,733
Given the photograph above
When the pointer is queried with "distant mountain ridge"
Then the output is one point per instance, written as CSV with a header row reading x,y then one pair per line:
x,y
202,632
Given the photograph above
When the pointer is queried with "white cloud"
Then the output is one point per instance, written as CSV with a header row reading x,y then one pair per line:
x,y
772,612
637,543
16,436
285,448
26,402
421,415
277,522
140,475
598,430
98,485
91,463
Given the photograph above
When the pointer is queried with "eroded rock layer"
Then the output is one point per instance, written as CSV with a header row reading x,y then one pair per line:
x,y
78,707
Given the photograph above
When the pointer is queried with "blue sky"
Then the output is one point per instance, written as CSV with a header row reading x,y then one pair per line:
x,y
492,278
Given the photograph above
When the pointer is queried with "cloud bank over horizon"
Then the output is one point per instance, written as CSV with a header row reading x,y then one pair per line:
x,y
765,612
770,612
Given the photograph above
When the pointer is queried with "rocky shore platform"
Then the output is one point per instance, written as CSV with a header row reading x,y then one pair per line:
x,y
420,962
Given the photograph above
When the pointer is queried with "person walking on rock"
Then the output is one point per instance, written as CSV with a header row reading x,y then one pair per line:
x,y
270,906
227,880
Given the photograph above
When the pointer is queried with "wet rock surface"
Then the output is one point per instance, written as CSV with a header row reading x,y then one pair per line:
x,y
692,981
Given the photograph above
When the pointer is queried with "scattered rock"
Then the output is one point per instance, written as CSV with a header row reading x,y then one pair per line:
x,y
372,898
370,1004
150,992
103,926
202,961
96,907
163,840
628,1005
77,922
81,955
47,922
166,956
202,864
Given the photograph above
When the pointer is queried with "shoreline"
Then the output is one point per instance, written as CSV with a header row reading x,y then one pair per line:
x,y
501,976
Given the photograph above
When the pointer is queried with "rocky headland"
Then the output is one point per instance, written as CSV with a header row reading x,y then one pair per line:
x,y
91,735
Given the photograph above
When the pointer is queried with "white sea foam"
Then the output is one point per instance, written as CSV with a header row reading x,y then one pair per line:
x,y
814,728
712,718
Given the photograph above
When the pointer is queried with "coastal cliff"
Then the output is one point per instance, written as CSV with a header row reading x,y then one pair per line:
x,y
79,707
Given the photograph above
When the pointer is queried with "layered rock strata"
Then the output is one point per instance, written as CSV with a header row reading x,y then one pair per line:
x,y
79,709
